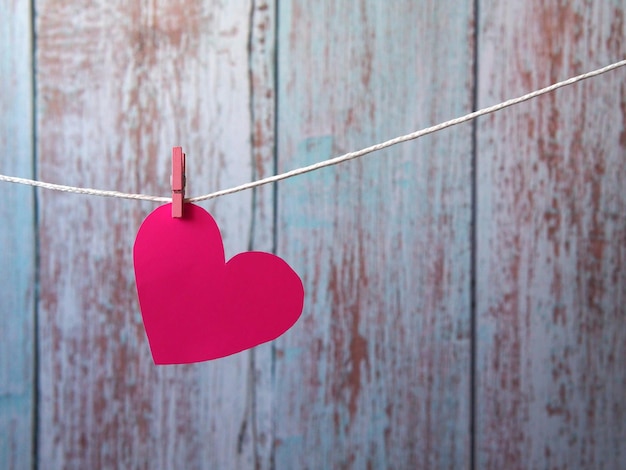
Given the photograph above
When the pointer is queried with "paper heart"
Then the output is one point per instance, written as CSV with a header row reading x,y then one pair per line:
x,y
197,307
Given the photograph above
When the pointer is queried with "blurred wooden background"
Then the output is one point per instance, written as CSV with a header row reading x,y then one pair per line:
x,y
465,293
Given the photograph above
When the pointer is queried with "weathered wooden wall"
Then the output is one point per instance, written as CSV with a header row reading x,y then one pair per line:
x,y
551,240
522,214
17,239
375,374
119,83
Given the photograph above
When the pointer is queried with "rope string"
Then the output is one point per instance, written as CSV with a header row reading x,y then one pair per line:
x,y
325,163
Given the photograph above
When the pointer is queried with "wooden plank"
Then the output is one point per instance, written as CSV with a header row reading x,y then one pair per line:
x,y
119,84
376,373
17,239
262,45
551,285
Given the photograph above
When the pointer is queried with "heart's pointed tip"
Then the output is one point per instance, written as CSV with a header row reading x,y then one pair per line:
x,y
178,361
174,361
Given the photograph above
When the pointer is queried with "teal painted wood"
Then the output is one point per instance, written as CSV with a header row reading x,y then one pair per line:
x,y
376,373
257,435
551,286
17,239
119,84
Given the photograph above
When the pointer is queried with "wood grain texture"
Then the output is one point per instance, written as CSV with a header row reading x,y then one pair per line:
x,y
259,429
376,373
17,239
551,286
119,84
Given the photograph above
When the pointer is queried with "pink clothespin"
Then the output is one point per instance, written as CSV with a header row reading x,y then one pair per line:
x,y
178,181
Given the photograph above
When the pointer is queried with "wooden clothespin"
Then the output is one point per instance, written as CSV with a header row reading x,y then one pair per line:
x,y
178,181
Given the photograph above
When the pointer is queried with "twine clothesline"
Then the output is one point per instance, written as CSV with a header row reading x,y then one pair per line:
x,y
325,163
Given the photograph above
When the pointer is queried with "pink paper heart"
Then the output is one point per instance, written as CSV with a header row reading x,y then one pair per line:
x,y
197,307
